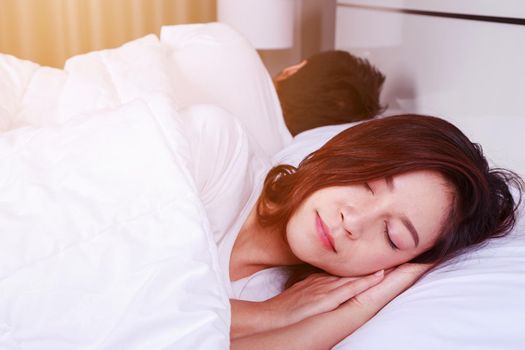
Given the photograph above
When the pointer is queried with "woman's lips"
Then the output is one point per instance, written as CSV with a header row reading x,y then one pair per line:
x,y
324,233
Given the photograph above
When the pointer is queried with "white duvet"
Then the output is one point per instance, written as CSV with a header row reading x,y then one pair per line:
x,y
104,243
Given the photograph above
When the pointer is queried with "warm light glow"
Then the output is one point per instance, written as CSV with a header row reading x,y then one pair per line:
x,y
50,31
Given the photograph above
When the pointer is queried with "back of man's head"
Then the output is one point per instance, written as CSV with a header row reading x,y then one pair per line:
x,y
333,87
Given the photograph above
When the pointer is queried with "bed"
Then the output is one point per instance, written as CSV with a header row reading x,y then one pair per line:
x,y
95,161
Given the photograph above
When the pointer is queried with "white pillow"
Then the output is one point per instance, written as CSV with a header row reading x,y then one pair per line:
x,y
474,302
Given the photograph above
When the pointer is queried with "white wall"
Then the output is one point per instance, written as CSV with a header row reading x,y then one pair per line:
x,y
314,32
469,72
501,8
462,66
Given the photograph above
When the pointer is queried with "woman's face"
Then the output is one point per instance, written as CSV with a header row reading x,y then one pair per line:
x,y
359,229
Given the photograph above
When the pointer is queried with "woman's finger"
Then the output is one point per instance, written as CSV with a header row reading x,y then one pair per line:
x,y
340,281
365,305
354,287
396,282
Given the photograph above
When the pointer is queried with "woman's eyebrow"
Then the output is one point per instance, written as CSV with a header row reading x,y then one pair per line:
x,y
410,227
406,221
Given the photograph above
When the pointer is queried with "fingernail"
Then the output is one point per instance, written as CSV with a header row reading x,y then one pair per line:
x,y
379,273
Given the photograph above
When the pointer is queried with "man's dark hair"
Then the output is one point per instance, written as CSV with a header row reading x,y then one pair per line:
x,y
333,87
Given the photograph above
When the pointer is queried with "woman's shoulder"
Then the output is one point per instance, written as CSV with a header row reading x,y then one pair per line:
x,y
224,165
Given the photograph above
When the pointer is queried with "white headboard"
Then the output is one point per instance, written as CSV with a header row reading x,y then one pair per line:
x,y
463,60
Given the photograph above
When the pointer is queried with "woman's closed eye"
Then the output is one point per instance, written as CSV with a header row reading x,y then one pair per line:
x,y
387,236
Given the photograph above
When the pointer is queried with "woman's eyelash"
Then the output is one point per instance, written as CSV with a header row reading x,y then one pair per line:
x,y
367,186
387,235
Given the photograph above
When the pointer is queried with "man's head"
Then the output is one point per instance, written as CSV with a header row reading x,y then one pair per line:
x,y
331,87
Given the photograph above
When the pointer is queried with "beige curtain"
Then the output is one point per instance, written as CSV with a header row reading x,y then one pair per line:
x,y
50,31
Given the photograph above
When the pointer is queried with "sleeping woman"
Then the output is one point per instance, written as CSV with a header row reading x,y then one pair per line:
x,y
354,225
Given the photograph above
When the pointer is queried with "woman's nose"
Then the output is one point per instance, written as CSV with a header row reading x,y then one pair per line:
x,y
352,221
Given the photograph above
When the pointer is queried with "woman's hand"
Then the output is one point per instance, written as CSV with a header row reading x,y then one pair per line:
x,y
316,294
339,323
395,282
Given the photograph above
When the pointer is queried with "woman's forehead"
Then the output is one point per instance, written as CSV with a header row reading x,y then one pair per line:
x,y
426,198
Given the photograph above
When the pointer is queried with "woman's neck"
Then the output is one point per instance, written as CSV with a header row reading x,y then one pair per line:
x,y
257,248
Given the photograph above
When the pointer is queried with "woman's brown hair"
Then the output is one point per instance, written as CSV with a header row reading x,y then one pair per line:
x,y
483,205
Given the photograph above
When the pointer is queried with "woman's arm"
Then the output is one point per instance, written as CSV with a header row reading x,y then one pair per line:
x,y
318,293
325,330
248,318
318,332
